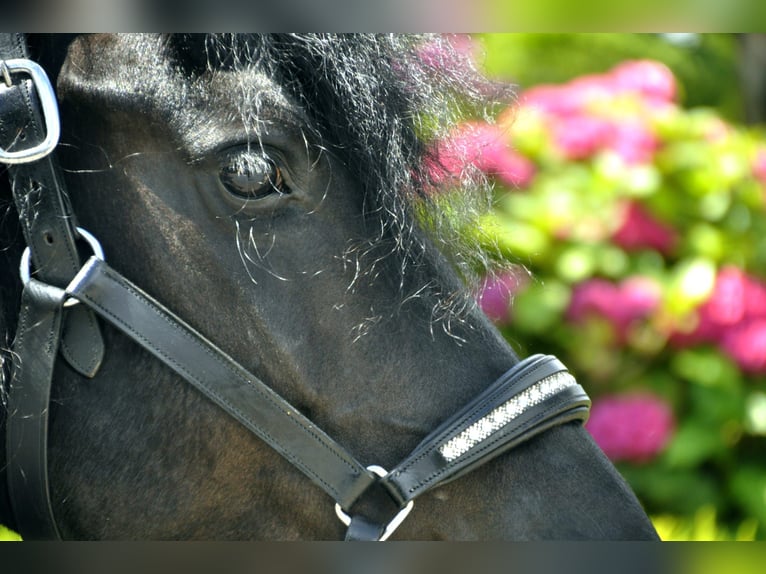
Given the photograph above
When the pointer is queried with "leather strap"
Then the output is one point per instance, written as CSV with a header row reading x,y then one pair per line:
x,y
37,340
40,199
361,529
220,378
535,395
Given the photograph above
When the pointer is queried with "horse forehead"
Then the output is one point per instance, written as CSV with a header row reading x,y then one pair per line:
x,y
137,70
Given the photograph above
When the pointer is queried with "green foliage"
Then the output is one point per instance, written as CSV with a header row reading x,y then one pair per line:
x,y
8,535
703,526
705,65
643,230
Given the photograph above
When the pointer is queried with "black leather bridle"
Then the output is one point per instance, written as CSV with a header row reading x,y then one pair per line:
x,y
63,296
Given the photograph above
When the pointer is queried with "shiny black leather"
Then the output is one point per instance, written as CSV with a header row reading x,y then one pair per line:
x,y
425,467
39,195
220,378
256,406
363,530
37,343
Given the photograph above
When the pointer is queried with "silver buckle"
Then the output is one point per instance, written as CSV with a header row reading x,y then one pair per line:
x,y
47,99
395,521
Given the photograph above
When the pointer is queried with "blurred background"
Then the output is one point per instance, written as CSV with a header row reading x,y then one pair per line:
x,y
630,199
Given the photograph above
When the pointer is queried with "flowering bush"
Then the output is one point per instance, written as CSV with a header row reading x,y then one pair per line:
x,y
634,428
643,227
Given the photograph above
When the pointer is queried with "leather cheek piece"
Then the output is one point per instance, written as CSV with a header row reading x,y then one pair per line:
x,y
37,340
39,195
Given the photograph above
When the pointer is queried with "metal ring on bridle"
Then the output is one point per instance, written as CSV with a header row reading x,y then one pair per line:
x,y
24,266
395,521
6,73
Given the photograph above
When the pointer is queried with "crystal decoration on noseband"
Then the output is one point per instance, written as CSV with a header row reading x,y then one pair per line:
x,y
505,413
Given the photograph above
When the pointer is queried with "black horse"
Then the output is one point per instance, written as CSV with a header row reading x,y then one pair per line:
x,y
265,188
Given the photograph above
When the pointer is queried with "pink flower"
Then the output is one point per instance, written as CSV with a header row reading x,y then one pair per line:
x,y
638,297
727,303
759,165
735,307
484,147
591,89
631,427
496,294
634,142
640,230
755,295
746,344
572,98
550,99
594,296
579,137
621,304
512,168
450,54
652,80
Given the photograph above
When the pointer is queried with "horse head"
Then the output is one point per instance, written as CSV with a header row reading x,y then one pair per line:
x,y
265,189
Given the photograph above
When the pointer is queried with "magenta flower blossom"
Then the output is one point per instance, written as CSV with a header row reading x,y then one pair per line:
x,y
594,296
745,343
725,308
513,169
572,98
734,319
651,79
634,428
450,54
634,142
759,165
728,302
640,230
621,304
551,100
736,299
579,137
590,89
484,147
496,294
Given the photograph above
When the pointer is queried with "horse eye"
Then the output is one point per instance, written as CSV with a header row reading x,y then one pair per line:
x,y
252,177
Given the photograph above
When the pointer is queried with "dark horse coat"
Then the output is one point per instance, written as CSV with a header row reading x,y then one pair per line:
x,y
264,188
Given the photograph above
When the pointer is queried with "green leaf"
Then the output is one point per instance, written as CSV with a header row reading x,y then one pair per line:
x,y
539,308
755,415
576,263
717,406
748,486
693,443
707,240
667,490
705,366
703,526
8,535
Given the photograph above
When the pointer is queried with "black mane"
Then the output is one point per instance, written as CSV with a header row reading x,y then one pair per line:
x,y
380,105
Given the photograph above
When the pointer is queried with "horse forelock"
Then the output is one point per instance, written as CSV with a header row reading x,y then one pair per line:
x,y
379,103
